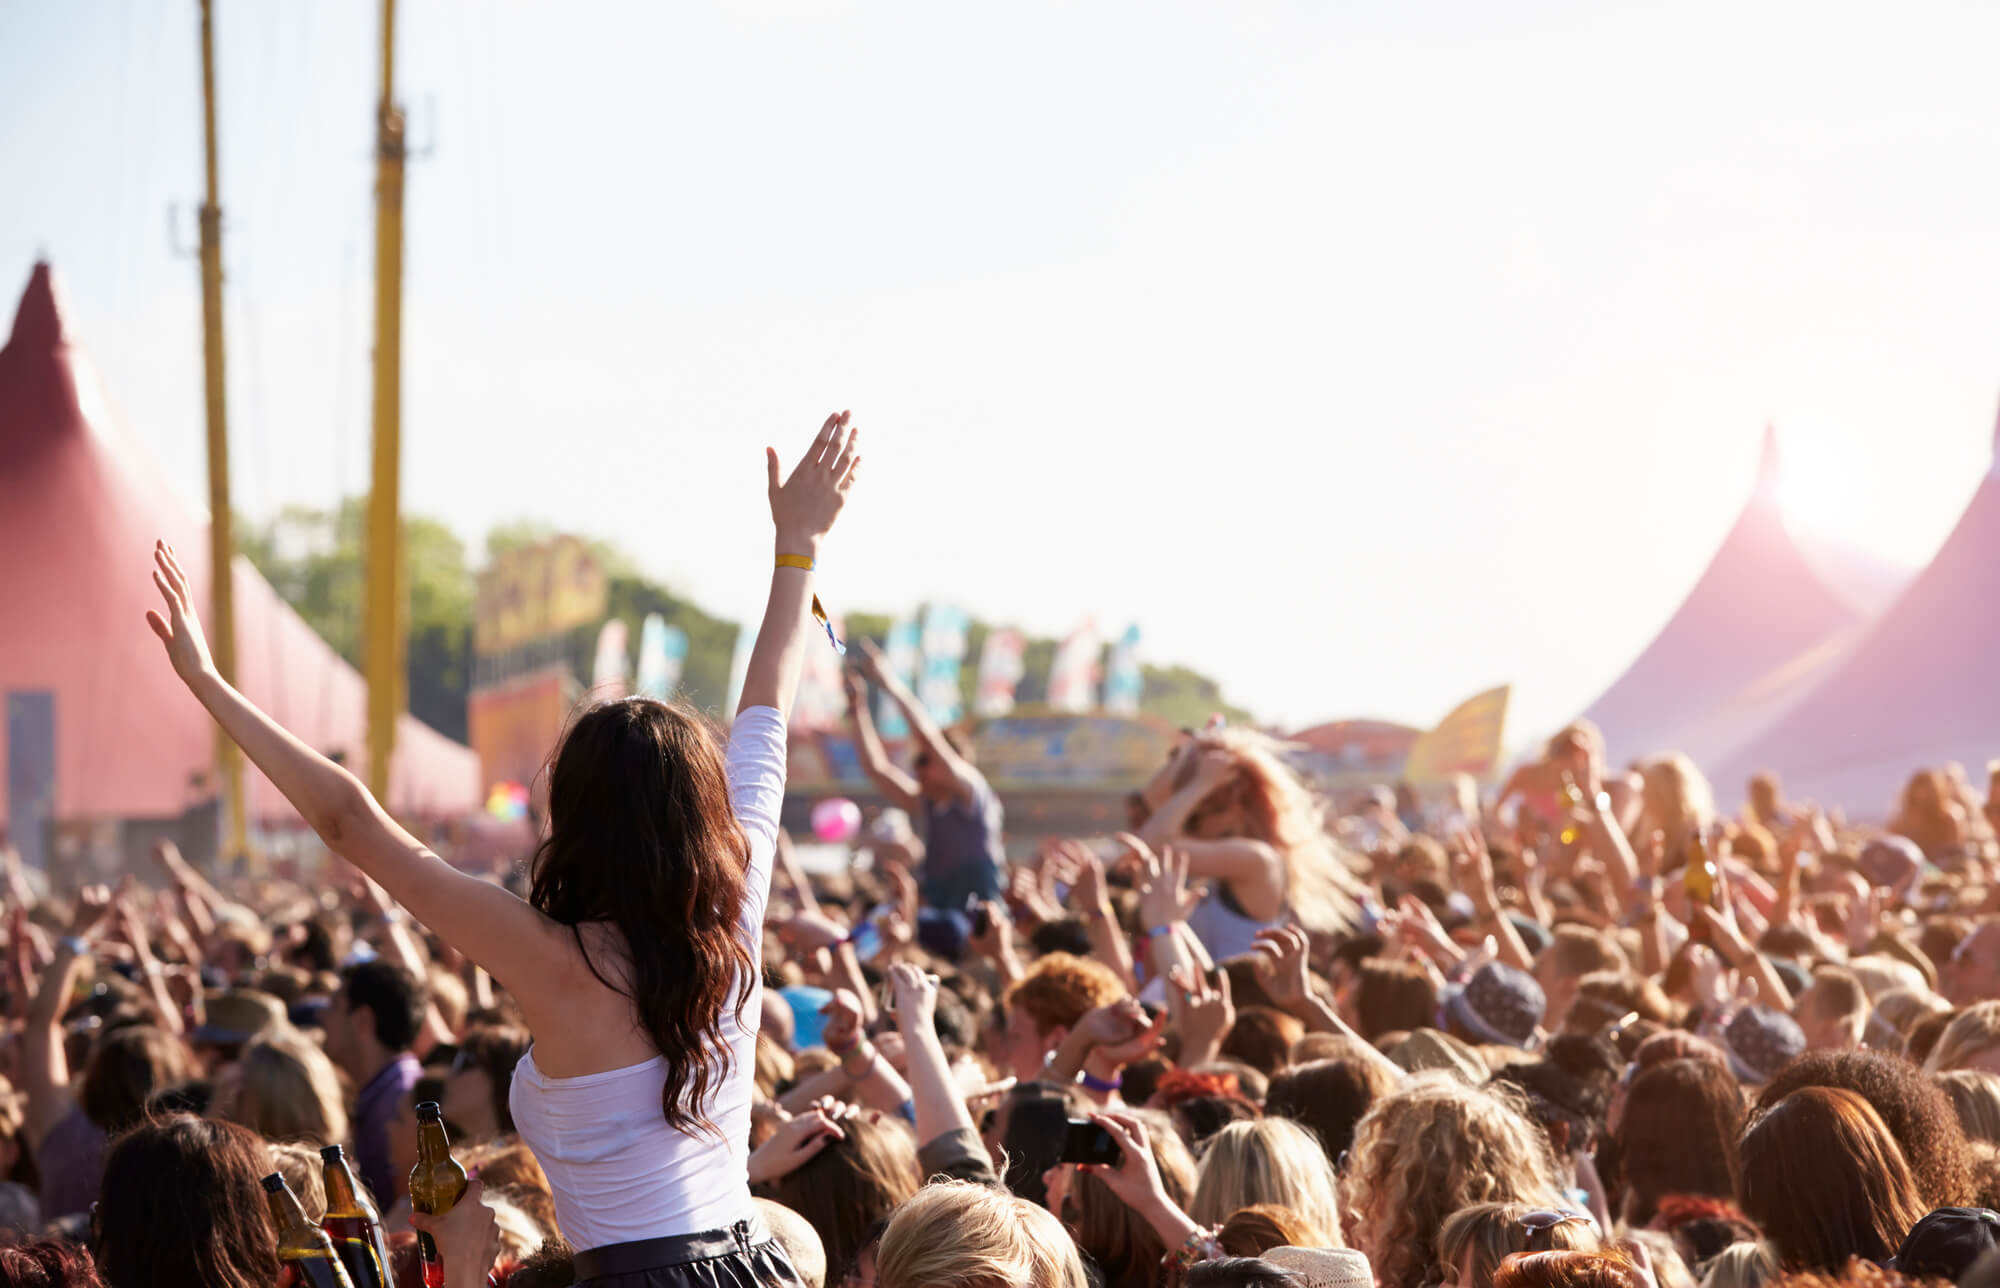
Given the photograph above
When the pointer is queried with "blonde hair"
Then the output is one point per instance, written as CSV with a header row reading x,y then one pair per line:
x,y
301,1167
1741,1265
1676,798
955,1234
1901,1008
1267,1160
287,1090
1277,808
1880,973
1975,1094
1493,1232
1971,1031
1428,1149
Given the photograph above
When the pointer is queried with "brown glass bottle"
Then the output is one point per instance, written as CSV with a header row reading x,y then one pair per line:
x,y
302,1245
354,1223
1700,880
437,1182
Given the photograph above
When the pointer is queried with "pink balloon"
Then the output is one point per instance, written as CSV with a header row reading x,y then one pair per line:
x,y
836,820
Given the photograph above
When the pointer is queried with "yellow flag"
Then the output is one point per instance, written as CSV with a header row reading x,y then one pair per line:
x,y
1467,741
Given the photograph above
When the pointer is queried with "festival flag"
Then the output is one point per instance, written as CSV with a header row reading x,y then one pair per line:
x,y
1073,673
944,652
821,706
1467,741
662,651
1000,670
611,672
900,651
1123,682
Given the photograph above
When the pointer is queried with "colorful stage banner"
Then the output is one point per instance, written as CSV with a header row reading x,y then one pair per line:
x,y
943,644
1466,741
1073,673
662,652
611,669
901,650
1123,681
1000,671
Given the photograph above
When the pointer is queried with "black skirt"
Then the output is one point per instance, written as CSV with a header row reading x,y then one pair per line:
x,y
743,1256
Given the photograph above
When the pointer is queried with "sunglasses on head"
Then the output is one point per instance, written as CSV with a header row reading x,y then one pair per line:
x,y
1541,1227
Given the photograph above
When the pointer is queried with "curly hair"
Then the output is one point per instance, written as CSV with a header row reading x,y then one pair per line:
x,y
1915,1109
1425,1151
1061,988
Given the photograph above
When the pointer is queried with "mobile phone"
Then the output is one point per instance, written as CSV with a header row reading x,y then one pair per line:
x,y
1086,1142
982,921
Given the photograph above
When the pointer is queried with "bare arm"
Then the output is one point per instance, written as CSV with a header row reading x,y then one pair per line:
x,y
924,729
44,1062
896,786
934,1093
803,508
150,970
529,952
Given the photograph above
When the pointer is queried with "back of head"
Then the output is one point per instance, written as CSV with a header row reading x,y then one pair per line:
x,y
1741,1265
393,995
1432,1147
1252,1231
128,1065
182,1204
1239,1272
1577,951
1393,997
1826,1181
47,1263
1059,988
799,1240
641,836
1262,1038
1328,1097
1678,1134
958,1235
1267,1160
1975,1095
1917,1112
304,1171
1569,1270
287,1089
1492,1232
852,1183
1971,1034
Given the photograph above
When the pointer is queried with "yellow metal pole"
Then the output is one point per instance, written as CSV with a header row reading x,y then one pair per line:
x,y
221,542
385,612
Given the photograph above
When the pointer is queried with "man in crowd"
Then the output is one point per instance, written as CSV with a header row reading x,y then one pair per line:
x,y
371,1028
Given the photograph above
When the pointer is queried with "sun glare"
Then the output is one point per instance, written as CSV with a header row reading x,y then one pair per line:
x,y
1826,475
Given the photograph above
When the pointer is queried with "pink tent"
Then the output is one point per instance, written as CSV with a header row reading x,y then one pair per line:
x,y
79,513
1763,624
1922,688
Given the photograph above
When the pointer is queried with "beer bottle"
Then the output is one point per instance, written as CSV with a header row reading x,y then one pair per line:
x,y
302,1245
1700,880
354,1224
436,1183
1572,799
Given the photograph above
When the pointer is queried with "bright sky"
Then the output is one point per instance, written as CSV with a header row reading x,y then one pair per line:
x,y
1366,354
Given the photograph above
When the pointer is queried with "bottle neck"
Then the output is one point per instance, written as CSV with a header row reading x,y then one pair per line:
x,y
432,1146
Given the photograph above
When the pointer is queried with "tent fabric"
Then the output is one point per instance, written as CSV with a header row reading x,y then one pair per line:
x,y
1761,627
79,513
1918,690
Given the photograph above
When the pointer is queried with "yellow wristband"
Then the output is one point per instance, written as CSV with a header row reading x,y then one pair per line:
x,y
796,561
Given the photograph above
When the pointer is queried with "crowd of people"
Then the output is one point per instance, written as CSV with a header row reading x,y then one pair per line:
x,y
1590,1033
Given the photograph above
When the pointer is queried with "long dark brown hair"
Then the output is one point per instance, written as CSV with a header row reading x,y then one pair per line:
x,y
182,1205
641,836
1826,1181
1678,1136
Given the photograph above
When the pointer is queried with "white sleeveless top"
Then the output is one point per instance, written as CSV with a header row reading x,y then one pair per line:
x,y
617,1171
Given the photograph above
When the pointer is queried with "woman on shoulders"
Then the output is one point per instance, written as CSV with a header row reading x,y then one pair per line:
x,y
635,957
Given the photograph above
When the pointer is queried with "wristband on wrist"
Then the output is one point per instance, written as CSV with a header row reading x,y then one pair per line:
x,y
844,1051
1157,931
806,563
866,1050
74,945
1102,1086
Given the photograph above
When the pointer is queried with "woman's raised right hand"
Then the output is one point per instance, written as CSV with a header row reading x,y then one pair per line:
x,y
805,505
